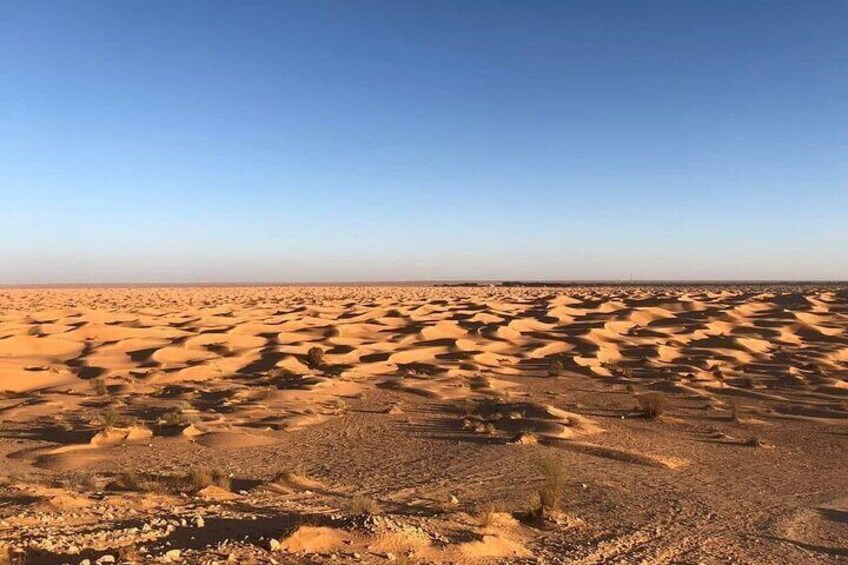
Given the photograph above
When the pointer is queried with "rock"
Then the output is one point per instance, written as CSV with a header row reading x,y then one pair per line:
x,y
199,522
172,555
106,559
85,562
274,545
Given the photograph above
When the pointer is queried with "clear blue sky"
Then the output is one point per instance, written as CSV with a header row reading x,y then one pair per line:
x,y
307,141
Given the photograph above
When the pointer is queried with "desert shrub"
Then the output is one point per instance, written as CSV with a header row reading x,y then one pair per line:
x,y
98,385
315,357
199,478
177,416
555,368
552,490
135,482
80,480
469,407
173,417
486,515
110,417
652,404
360,504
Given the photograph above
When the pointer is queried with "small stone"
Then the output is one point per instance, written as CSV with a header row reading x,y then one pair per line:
x,y
106,559
274,545
172,555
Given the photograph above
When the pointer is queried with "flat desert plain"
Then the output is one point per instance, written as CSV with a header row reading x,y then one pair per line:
x,y
421,424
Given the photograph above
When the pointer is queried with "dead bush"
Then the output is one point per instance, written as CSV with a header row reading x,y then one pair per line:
x,y
652,404
360,504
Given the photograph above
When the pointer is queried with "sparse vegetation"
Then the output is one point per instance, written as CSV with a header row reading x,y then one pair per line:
x,y
469,407
486,515
360,504
110,417
315,357
552,490
135,482
80,480
177,416
555,367
199,478
98,385
652,404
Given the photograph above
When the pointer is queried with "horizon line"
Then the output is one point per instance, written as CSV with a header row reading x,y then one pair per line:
x,y
503,283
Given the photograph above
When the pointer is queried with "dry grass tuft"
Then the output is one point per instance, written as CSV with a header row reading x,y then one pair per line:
x,y
98,385
652,404
486,515
360,504
110,417
552,490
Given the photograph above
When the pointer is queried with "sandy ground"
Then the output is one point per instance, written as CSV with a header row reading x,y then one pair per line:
x,y
194,425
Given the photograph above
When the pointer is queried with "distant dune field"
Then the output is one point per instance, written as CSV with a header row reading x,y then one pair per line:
x,y
351,424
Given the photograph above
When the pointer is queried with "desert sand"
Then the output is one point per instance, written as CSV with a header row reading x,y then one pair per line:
x,y
202,425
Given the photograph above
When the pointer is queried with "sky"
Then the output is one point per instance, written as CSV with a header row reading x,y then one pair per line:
x,y
211,141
